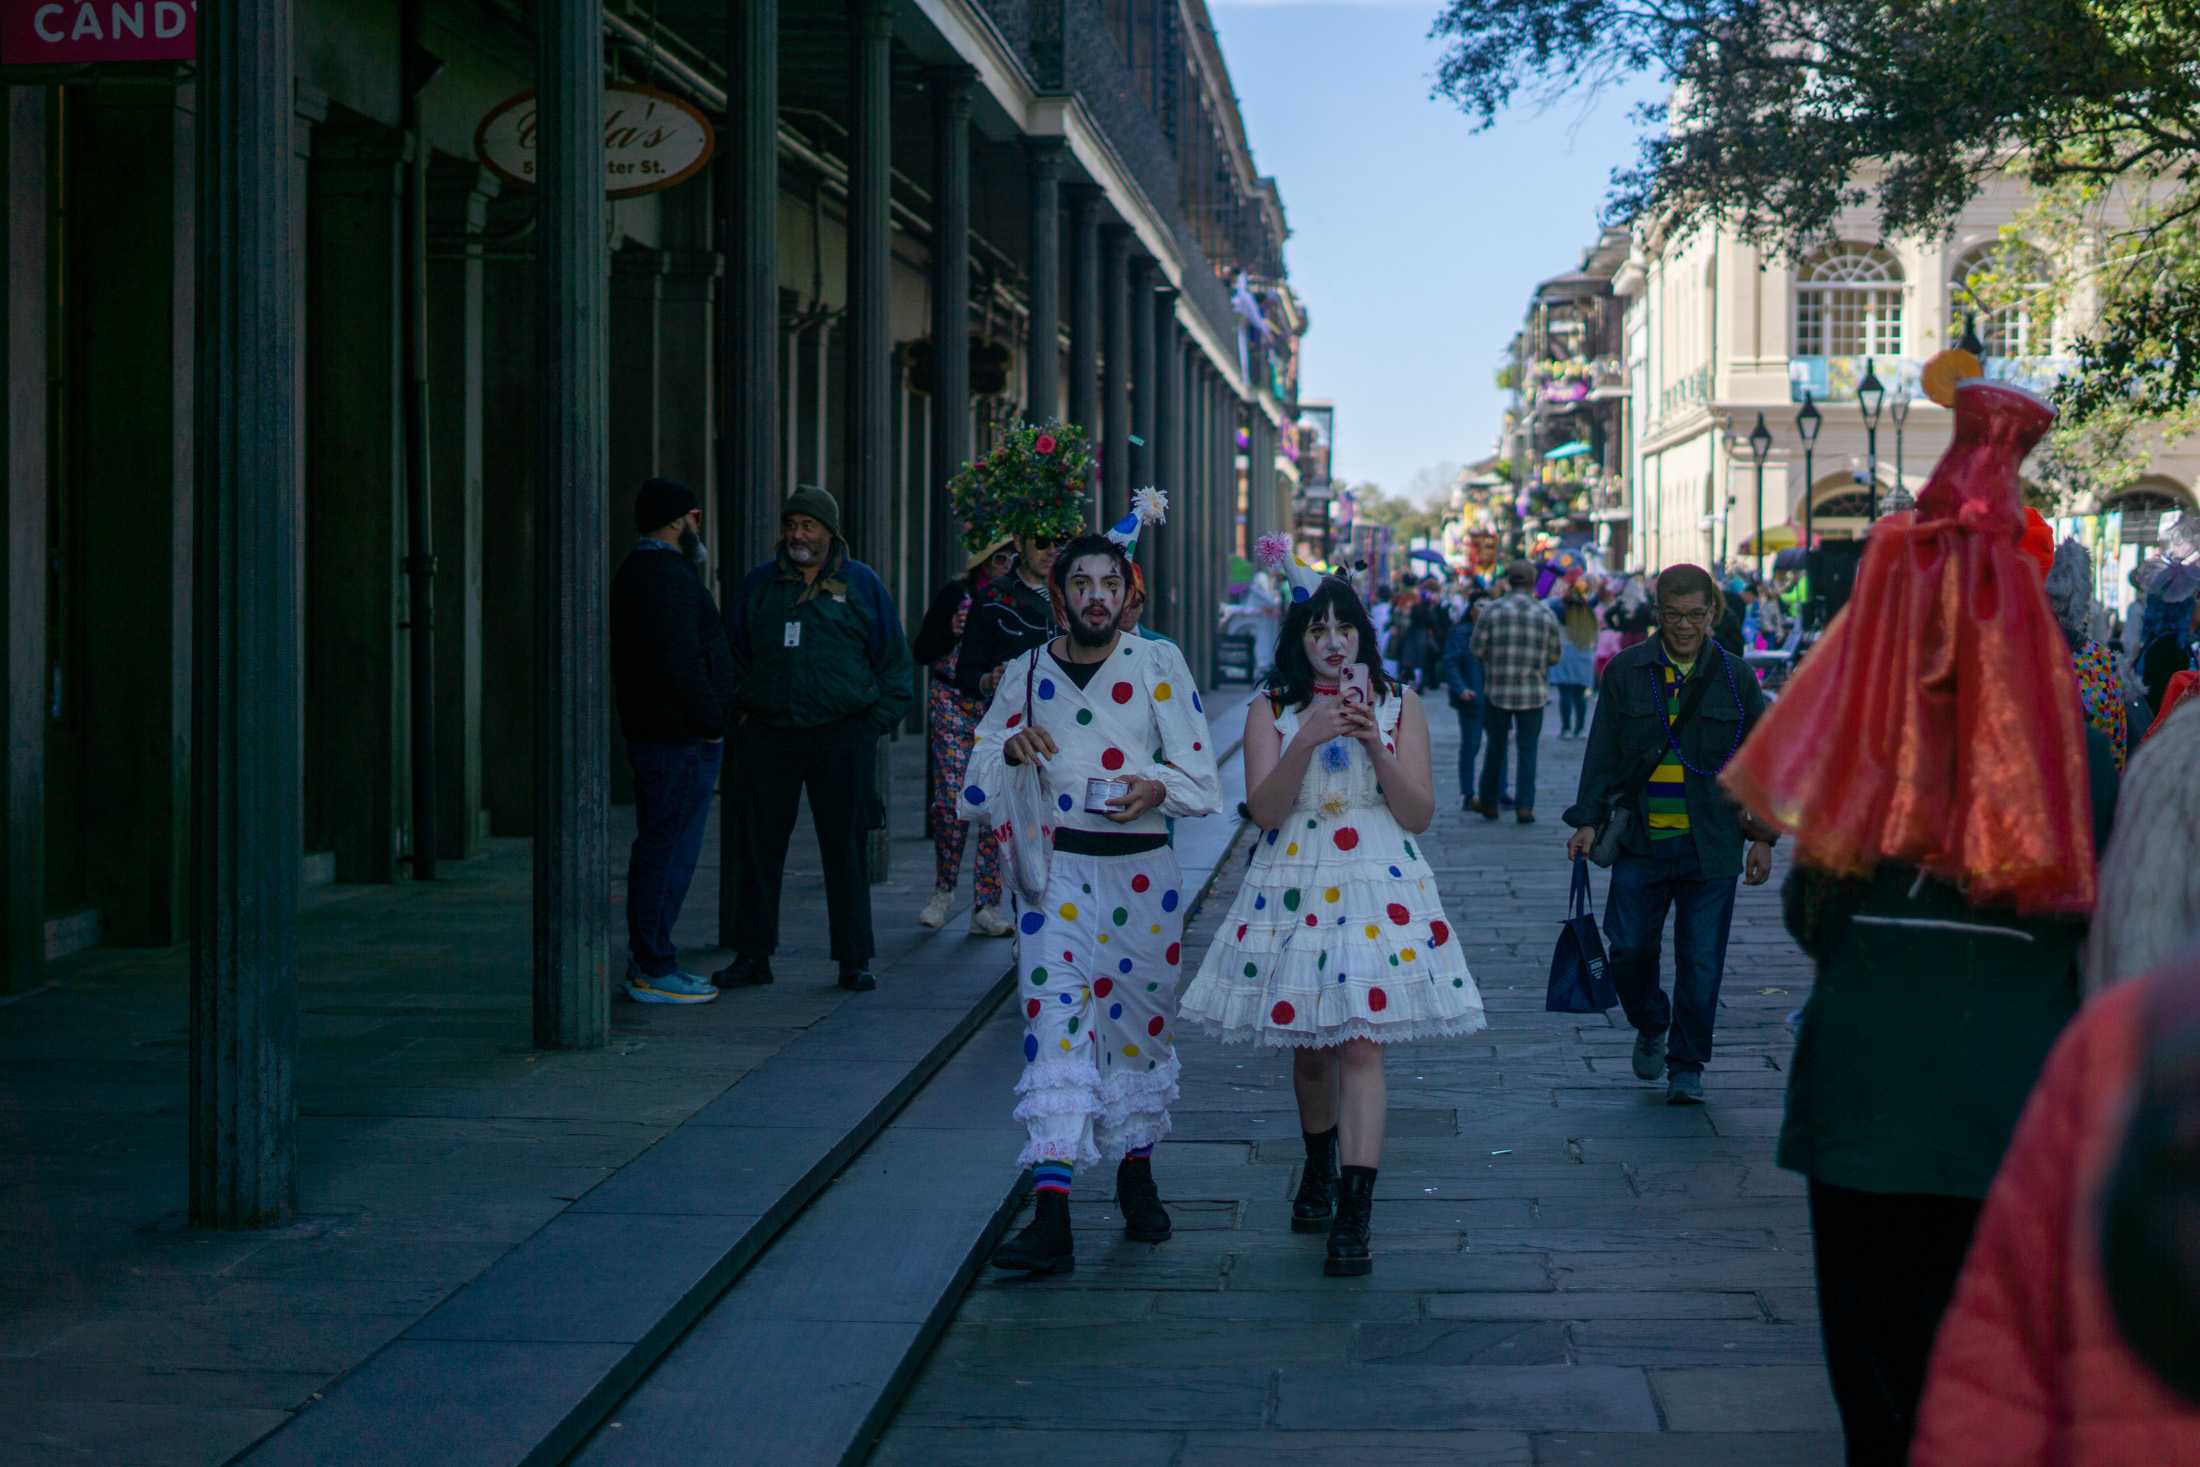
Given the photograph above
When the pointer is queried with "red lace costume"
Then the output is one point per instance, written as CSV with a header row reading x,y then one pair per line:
x,y
1936,723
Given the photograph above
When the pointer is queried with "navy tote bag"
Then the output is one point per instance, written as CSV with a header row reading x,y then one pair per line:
x,y
1581,979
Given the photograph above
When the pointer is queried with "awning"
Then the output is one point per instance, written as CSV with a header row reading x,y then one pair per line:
x,y
1574,449
1776,537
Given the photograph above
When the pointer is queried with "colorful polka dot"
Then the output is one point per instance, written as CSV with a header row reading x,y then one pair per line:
x,y
1312,920
1153,1025
1115,1011
1438,934
1155,929
1332,894
1130,1051
1065,802
1031,1008
973,795
1377,1001
1031,1047
1291,849
1065,1046
1140,882
1111,759
1373,931
1410,856
1458,982
1162,692
1175,952
1282,1013
1169,900
1046,690
1406,953
1102,987
1039,976
1031,922
1196,746
1271,837
1069,998
1103,939
1121,915
1260,903
1068,956
1069,911
1121,692
1397,873
1398,914
1291,900
1241,932
1393,960
1073,1019
1346,838
1084,715
1252,970
1124,966
1014,719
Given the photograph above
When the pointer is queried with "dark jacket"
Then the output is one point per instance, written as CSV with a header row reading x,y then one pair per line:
x,y
1462,669
1629,727
1928,1023
671,672
1009,620
936,637
852,660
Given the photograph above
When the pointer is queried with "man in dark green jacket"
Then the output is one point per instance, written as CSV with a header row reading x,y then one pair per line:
x,y
823,670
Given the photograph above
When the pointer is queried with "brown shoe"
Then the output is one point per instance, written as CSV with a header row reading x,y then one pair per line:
x,y
1482,810
1526,817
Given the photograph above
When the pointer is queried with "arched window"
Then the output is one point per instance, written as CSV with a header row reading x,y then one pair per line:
x,y
1982,282
1849,506
1848,303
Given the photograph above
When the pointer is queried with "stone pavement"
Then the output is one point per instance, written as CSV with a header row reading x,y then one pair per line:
x,y
1567,1271
433,1139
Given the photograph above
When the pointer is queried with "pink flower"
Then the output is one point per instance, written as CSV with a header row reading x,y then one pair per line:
x,y
1045,444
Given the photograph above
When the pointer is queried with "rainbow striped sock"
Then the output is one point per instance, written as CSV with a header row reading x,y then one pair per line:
x,y
1051,1176
1139,1153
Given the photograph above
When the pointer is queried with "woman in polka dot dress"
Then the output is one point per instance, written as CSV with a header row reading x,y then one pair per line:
x,y
1337,943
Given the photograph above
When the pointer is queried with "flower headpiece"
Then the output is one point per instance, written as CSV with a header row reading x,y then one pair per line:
x,y
1036,481
1149,506
1274,551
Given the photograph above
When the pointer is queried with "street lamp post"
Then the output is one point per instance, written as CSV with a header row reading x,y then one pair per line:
x,y
1899,409
1807,423
1869,395
1760,443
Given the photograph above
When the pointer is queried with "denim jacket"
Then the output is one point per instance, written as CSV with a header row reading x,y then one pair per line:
x,y
1630,724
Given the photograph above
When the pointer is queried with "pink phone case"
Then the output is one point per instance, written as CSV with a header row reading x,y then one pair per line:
x,y
1355,687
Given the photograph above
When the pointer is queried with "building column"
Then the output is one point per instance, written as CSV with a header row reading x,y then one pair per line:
x,y
1084,311
867,499
1168,437
634,390
458,206
572,1007
747,189
1260,473
1115,380
1143,399
1043,367
950,402
1199,517
687,347
356,746
244,779
23,490
509,503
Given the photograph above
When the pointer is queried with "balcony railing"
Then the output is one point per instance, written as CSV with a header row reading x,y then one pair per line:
x,y
1834,379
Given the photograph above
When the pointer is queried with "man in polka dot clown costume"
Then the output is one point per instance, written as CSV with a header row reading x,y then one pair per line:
x,y
1107,734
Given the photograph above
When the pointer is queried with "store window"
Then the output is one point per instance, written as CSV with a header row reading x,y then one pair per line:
x,y
1981,284
1848,302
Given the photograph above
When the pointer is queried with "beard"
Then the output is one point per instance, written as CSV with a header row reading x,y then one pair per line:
x,y
1085,634
799,553
697,553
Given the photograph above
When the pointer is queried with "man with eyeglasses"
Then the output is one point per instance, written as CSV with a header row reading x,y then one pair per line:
x,y
1673,711
1012,617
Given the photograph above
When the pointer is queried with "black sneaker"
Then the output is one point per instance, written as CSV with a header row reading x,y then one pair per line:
x,y
1044,1245
744,972
858,980
1145,1220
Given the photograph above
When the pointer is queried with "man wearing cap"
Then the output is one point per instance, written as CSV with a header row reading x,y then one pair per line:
x,y
823,669
673,679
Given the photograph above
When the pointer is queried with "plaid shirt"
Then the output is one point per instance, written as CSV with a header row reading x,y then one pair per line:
x,y
1517,642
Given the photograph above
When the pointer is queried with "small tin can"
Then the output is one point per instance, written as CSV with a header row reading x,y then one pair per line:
x,y
1098,791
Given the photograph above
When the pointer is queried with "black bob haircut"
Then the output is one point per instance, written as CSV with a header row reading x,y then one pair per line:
x,y
1292,682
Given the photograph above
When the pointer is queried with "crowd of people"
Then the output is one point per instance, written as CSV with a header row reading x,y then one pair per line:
x,y
1988,787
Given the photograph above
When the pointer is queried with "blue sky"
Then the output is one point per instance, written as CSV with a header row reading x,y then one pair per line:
x,y
1415,240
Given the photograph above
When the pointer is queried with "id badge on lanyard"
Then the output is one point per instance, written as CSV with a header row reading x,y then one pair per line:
x,y
792,636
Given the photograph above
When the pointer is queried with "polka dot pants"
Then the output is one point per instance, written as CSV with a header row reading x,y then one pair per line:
x,y
1097,966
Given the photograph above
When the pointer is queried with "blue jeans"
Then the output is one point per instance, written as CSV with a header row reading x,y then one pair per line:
x,y
1527,724
672,788
1470,744
1643,889
1573,708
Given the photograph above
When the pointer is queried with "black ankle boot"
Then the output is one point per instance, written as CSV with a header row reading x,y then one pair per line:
x,y
1348,1256
1145,1220
1317,1199
1044,1244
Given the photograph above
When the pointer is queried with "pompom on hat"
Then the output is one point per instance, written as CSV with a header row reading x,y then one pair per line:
x,y
1274,551
1149,506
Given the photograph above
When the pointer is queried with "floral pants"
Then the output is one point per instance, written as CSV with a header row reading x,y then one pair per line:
x,y
951,722
1097,964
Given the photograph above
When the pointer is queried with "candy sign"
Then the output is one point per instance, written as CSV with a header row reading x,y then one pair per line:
x,y
651,140
72,32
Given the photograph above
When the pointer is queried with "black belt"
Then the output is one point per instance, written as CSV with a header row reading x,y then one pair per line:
x,y
1106,842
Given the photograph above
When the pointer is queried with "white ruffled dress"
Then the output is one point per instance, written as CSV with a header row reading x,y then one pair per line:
x,y
1337,932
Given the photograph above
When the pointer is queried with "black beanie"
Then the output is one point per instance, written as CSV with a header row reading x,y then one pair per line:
x,y
660,502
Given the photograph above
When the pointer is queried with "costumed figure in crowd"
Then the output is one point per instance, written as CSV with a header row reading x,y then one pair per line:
x,y
1092,741
1933,762
1336,944
1032,485
2171,583
1576,670
1149,506
2068,573
951,717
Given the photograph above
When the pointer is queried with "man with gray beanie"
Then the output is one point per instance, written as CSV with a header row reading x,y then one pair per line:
x,y
824,670
673,679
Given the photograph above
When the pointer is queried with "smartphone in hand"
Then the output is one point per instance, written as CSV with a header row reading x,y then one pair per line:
x,y
1355,686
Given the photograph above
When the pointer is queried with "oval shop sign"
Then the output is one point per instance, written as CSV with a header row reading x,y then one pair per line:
x,y
651,140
